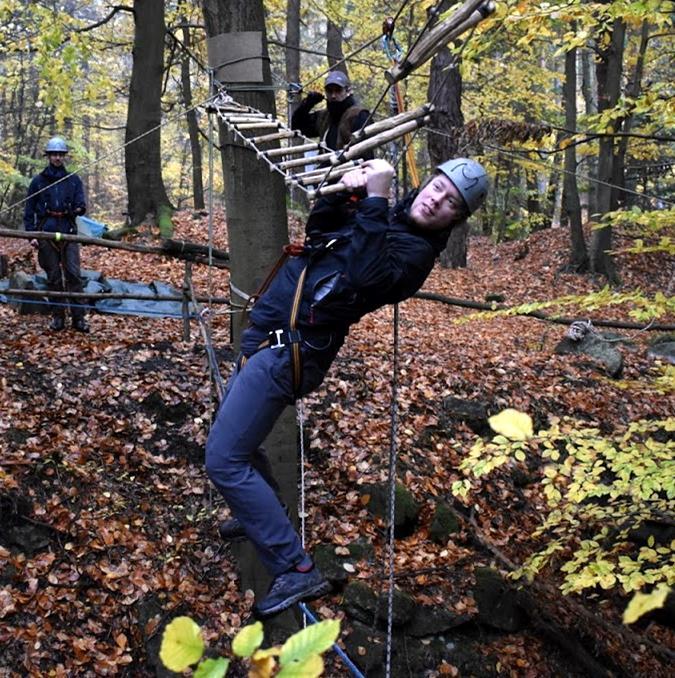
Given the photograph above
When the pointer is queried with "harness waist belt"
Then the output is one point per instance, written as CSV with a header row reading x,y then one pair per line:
x,y
52,213
280,338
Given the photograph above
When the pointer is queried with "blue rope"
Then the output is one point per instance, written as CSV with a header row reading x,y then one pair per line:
x,y
339,651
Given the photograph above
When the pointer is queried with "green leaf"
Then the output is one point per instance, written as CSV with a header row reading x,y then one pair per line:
x,y
212,668
641,603
314,639
248,640
513,424
310,668
182,644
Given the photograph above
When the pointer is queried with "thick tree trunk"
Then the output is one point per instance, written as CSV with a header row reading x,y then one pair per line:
x,y
257,229
445,90
632,92
143,161
608,69
334,47
578,254
193,126
293,43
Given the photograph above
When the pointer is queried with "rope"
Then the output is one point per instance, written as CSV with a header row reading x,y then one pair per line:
x,y
353,669
586,177
392,488
300,408
110,154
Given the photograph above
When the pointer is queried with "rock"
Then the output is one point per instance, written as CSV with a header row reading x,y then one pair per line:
x,y
149,612
497,602
443,524
498,298
663,351
366,648
430,620
471,412
405,507
597,346
27,305
331,564
360,549
361,603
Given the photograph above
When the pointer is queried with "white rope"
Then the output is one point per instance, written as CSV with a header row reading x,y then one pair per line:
x,y
300,409
392,490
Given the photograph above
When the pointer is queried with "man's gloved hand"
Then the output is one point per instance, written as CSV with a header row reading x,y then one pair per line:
x,y
79,211
313,98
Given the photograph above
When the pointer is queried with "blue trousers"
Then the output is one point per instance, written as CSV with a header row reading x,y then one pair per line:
x,y
255,397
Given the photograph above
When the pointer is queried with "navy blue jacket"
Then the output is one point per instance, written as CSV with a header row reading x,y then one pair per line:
x,y
358,259
55,208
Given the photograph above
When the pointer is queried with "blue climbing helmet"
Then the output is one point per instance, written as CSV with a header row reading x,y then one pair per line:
x,y
56,145
470,179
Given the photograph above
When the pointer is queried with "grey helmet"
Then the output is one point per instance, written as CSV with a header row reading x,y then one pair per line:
x,y
56,145
470,179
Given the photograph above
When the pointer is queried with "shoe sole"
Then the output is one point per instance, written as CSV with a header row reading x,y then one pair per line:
x,y
311,594
236,537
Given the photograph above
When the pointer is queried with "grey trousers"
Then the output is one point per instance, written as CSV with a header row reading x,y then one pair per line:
x,y
61,262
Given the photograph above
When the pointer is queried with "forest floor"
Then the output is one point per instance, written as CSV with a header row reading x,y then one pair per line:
x,y
108,520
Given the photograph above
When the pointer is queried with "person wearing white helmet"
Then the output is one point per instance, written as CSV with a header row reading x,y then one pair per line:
x,y
358,255
55,198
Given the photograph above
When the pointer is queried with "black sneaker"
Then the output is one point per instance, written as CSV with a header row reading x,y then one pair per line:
x,y
57,323
289,588
231,529
80,326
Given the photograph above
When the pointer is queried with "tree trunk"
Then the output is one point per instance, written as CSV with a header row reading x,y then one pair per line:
x,y
589,91
193,126
608,69
578,254
632,92
143,162
298,197
445,90
293,44
257,230
334,47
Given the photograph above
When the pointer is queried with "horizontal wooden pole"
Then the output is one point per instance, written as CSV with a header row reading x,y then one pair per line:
x,y
291,150
106,295
172,248
392,122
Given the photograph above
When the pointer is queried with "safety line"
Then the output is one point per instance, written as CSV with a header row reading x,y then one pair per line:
x,y
518,156
392,487
354,670
100,159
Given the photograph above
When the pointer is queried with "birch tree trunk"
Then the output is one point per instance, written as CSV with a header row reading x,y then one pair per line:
x,y
445,90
